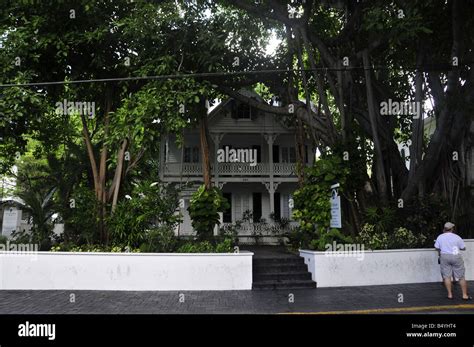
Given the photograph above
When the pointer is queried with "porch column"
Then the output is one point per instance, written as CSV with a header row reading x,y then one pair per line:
x,y
271,192
216,138
272,187
270,138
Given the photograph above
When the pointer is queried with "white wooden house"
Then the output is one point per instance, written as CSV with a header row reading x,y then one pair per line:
x,y
264,188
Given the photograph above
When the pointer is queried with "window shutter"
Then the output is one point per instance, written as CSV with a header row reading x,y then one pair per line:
x,y
286,208
238,206
245,203
292,155
284,154
195,154
187,154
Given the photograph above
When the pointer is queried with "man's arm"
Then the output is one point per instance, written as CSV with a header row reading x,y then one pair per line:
x,y
437,247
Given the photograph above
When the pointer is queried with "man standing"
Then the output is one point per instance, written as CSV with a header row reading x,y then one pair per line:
x,y
448,245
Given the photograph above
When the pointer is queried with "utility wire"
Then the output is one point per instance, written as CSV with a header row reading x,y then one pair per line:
x,y
444,67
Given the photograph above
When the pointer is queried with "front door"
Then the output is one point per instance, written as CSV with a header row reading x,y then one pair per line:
x,y
257,207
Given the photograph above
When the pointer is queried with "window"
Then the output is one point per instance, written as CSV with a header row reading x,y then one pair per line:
x,y
288,155
276,153
292,155
257,207
187,154
243,111
276,202
191,154
195,154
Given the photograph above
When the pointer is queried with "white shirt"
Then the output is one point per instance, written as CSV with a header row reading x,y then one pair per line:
x,y
449,243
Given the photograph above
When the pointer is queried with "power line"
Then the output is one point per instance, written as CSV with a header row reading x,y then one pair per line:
x,y
445,67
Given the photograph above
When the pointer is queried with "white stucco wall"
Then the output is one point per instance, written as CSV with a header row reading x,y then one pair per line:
x,y
381,267
126,271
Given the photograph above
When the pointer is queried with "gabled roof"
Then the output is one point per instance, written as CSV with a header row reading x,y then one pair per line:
x,y
264,122
222,104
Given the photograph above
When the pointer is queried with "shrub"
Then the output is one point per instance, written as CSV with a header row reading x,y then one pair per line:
x,y
230,231
3,239
204,209
399,237
405,238
92,248
382,218
225,246
125,225
328,237
425,217
373,239
196,247
299,239
312,201
160,239
82,221
149,206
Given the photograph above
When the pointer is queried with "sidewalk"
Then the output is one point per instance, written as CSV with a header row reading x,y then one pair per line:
x,y
417,298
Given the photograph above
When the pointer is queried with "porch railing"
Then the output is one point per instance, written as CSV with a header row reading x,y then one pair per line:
x,y
260,229
231,169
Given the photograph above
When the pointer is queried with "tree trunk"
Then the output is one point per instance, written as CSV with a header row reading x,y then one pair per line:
x,y
118,174
380,170
90,152
206,163
301,153
417,129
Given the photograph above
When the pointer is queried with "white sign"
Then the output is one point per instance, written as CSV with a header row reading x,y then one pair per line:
x,y
335,207
11,220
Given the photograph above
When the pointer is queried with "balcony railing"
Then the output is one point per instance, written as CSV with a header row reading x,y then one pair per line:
x,y
231,169
258,228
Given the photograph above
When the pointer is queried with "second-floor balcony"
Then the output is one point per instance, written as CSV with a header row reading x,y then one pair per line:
x,y
230,169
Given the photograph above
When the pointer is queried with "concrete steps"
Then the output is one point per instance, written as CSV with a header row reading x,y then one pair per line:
x,y
281,272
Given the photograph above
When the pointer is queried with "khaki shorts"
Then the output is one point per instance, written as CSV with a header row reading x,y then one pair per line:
x,y
452,265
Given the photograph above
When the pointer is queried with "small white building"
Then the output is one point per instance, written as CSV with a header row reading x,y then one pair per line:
x,y
263,187
13,216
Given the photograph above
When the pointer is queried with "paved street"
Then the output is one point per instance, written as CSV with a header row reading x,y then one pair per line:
x,y
417,298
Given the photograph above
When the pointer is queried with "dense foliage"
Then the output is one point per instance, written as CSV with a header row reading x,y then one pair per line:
x,y
409,51
204,208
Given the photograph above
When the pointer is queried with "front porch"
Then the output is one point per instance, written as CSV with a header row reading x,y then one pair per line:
x,y
260,233
259,213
